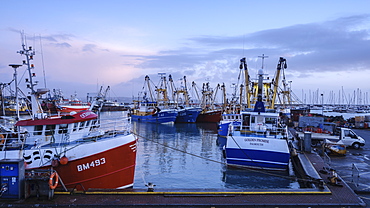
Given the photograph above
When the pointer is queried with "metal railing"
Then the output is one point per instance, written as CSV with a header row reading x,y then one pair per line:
x,y
355,175
327,160
111,127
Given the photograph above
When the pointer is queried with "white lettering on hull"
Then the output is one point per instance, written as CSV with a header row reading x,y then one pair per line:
x,y
86,114
91,164
257,141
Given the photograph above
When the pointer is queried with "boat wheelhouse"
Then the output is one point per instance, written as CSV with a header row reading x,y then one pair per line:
x,y
260,142
228,121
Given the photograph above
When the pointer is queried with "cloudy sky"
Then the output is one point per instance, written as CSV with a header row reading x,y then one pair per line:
x,y
82,44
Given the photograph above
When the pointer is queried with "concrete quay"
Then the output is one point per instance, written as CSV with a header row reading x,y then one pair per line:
x,y
326,196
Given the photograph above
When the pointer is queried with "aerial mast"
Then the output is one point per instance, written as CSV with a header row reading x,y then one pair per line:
x,y
263,59
260,84
29,53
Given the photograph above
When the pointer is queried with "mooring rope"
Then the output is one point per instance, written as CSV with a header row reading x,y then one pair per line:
x,y
220,162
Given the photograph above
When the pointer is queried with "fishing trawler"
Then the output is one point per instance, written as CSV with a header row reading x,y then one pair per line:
x,y
210,113
84,151
10,108
186,113
261,140
8,104
151,110
231,117
72,105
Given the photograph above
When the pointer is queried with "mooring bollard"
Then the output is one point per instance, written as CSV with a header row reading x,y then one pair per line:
x,y
307,142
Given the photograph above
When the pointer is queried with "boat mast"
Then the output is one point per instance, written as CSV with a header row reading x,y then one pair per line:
x,y
241,96
186,95
260,80
15,67
2,87
29,53
147,79
263,59
162,89
207,92
172,90
215,94
243,65
224,100
194,86
181,90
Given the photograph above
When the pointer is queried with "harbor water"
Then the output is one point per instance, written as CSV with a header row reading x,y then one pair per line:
x,y
189,156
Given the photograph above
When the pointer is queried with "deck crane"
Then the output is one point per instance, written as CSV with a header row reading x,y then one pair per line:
x,y
281,65
243,64
162,95
182,90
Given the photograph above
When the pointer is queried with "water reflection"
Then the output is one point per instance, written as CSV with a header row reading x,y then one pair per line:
x,y
188,156
176,156
253,179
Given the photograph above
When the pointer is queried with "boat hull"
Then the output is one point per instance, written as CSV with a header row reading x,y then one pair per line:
x,y
188,115
103,164
161,117
111,169
69,109
223,129
209,117
257,152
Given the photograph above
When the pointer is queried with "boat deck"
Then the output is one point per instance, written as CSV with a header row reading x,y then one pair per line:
x,y
329,196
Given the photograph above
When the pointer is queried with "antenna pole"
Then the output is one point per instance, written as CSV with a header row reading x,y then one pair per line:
x,y
263,59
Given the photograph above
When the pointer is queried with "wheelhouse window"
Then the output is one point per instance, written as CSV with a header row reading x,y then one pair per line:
x,y
259,119
82,125
63,128
246,120
38,130
75,126
93,124
49,130
270,120
253,119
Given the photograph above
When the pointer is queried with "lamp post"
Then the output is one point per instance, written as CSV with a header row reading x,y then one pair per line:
x,y
2,86
322,103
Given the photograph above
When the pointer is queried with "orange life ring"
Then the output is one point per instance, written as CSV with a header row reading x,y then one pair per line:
x,y
51,185
2,140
